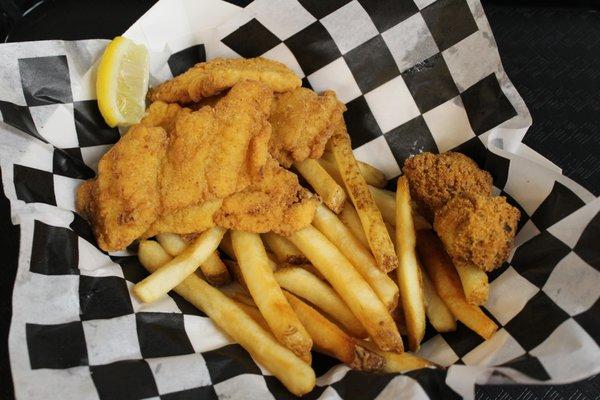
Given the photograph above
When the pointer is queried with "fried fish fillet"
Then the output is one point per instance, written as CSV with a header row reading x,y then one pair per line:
x,y
275,203
302,124
214,152
209,78
164,170
124,199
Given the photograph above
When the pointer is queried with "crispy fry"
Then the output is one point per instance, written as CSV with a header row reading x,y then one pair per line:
x,y
372,175
350,218
297,376
386,203
172,243
332,194
446,281
474,281
391,230
283,249
304,284
258,276
328,338
370,217
175,271
351,287
408,272
227,248
212,268
341,236
398,362
438,314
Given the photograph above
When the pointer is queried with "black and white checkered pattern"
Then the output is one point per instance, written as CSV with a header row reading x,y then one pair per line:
x,y
416,75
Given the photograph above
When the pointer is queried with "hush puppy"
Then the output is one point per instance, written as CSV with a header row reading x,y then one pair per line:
x,y
437,178
477,229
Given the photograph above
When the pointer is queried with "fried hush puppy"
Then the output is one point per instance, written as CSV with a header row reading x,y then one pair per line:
x,y
477,229
437,178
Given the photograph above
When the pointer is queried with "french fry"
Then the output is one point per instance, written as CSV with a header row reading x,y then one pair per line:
x,y
283,249
175,271
474,281
239,293
447,284
391,230
372,175
351,287
328,338
172,243
398,362
438,314
297,376
332,194
341,236
304,284
408,272
227,248
258,276
420,222
386,203
370,217
350,218
212,268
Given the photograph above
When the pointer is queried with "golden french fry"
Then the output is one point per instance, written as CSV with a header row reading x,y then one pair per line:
x,y
175,271
258,276
420,222
239,293
372,175
227,248
447,284
370,217
399,362
386,203
408,272
474,281
283,249
438,314
350,218
306,285
328,338
351,287
332,194
391,230
341,236
172,243
212,268
297,376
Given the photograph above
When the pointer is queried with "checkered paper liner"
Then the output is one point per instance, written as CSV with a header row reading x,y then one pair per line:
x,y
416,76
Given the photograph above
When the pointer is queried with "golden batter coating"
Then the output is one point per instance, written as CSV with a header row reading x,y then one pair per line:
x,y
436,178
302,124
477,229
212,77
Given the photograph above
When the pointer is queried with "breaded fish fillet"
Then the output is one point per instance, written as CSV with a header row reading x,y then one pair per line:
x,y
124,199
302,124
436,178
477,229
275,203
214,152
209,78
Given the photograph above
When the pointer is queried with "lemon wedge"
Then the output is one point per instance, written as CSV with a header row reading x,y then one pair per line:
x,y
122,82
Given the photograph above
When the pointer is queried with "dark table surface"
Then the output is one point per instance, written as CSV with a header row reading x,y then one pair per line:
x,y
550,50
